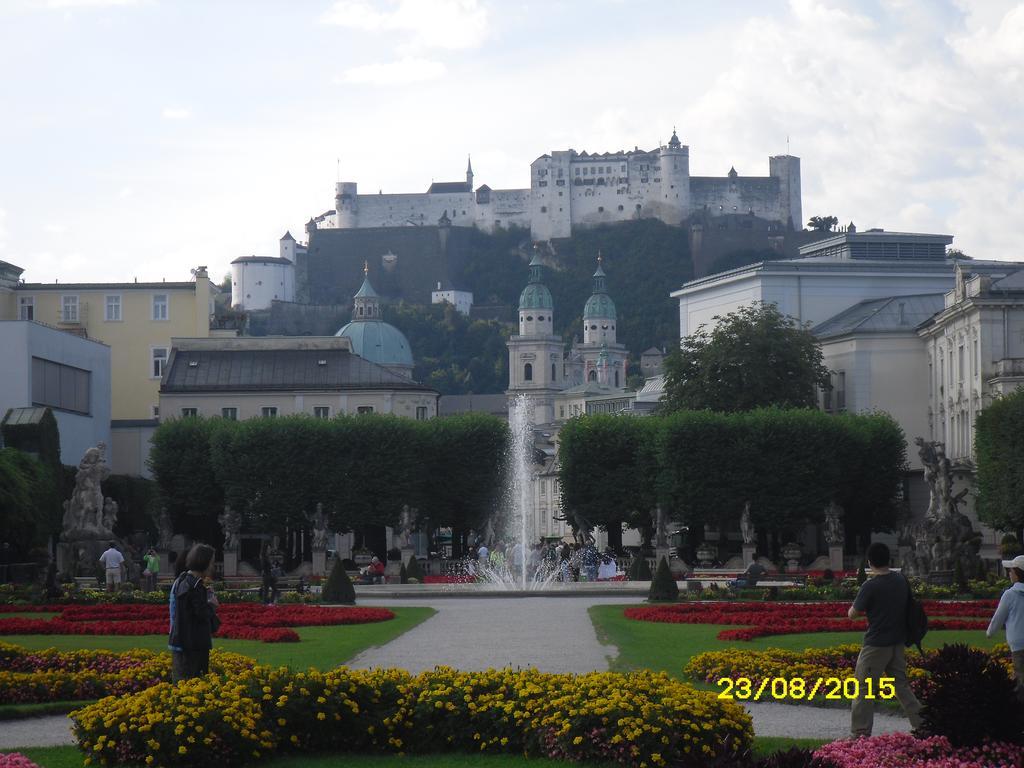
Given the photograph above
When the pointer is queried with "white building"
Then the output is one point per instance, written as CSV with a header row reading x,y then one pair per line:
x,y
571,189
446,294
256,281
49,368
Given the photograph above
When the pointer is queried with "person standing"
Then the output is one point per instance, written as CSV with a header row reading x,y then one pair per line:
x,y
151,567
883,598
193,616
1010,613
112,561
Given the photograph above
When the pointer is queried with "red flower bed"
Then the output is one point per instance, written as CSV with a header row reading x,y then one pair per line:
x,y
239,621
760,619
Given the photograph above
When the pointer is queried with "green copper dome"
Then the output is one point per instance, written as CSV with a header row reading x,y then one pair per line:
x,y
378,342
599,305
536,296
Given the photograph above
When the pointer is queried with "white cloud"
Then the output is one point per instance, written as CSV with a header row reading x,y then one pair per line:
x,y
446,24
68,4
176,113
3,229
407,70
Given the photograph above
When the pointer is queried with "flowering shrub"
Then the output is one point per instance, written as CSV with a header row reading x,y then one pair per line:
x,y
793,618
239,621
633,720
901,750
15,760
32,677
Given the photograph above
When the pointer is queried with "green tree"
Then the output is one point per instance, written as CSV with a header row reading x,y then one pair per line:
x,y
999,447
822,223
29,503
753,357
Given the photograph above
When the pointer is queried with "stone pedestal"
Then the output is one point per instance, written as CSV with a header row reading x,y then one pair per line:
x,y
835,556
231,563
392,570
749,554
408,554
319,563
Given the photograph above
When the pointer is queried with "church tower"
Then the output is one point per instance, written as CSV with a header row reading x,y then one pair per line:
x,y
604,359
535,353
469,173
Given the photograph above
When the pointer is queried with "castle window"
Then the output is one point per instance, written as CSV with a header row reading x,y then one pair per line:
x,y
592,376
554,376
616,378
593,327
600,209
559,173
529,318
577,171
543,209
623,166
540,318
620,207
638,207
528,372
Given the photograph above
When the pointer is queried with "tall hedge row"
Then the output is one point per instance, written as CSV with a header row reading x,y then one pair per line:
x,y
363,469
704,467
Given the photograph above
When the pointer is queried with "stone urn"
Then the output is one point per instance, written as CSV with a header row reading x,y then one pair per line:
x,y
706,554
791,553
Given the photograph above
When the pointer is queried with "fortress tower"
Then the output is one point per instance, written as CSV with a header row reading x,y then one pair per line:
x,y
674,159
346,205
535,353
786,169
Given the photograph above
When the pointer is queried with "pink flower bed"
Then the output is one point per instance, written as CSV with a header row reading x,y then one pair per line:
x,y
901,750
15,760
239,621
761,618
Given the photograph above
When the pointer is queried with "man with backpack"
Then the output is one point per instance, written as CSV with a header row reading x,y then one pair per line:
x,y
885,599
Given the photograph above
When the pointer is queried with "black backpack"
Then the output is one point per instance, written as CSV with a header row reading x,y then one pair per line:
x,y
917,621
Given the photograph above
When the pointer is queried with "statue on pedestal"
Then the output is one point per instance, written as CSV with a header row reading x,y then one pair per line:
x,y
834,534
231,523
747,529
320,534
660,528
165,530
405,527
86,514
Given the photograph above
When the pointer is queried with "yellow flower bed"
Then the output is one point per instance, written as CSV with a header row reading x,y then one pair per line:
x,y
32,677
640,720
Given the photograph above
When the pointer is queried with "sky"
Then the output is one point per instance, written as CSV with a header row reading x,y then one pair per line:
x,y
142,138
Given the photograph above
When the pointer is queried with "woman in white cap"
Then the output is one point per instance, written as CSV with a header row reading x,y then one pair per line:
x,y
1010,613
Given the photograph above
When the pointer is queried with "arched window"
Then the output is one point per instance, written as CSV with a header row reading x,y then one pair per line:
x,y
528,372
360,310
592,376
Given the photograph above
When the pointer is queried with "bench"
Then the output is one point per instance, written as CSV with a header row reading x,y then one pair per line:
x,y
720,576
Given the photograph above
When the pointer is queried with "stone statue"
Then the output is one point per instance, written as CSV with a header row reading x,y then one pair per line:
x,y
319,523
109,514
231,523
405,527
84,512
747,526
660,528
165,530
834,534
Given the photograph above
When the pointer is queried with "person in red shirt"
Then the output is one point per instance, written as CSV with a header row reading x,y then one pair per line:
x,y
373,573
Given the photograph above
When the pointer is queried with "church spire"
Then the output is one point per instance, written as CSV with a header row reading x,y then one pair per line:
x,y
469,171
366,302
599,276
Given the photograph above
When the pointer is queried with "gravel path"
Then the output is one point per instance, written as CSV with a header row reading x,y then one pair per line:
x,y
803,722
49,731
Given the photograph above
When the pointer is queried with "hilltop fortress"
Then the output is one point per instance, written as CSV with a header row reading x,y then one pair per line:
x,y
570,189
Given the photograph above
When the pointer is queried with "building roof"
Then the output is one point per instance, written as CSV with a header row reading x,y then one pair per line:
x,y
594,389
288,236
366,290
262,259
271,370
378,342
18,416
448,187
104,286
892,314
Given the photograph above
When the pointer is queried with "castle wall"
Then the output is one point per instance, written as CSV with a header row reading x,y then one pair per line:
x,y
759,195
504,208
417,209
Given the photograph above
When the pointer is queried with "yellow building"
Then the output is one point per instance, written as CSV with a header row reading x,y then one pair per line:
x,y
136,320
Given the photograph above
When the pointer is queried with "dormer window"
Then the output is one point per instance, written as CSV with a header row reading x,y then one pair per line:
x,y
321,361
193,363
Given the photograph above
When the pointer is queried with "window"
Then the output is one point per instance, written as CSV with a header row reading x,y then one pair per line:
x,y
69,309
158,362
561,411
60,386
977,359
268,411
189,412
841,391
113,309
159,306
616,378
421,413
26,308
364,409
231,414
322,411
592,376
528,372
554,376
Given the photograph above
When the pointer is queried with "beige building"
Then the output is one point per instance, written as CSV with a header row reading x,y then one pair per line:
x,y
249,377
136,320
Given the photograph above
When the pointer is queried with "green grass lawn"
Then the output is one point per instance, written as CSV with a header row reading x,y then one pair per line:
x,y
320,647
29,615
70,757
668,647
